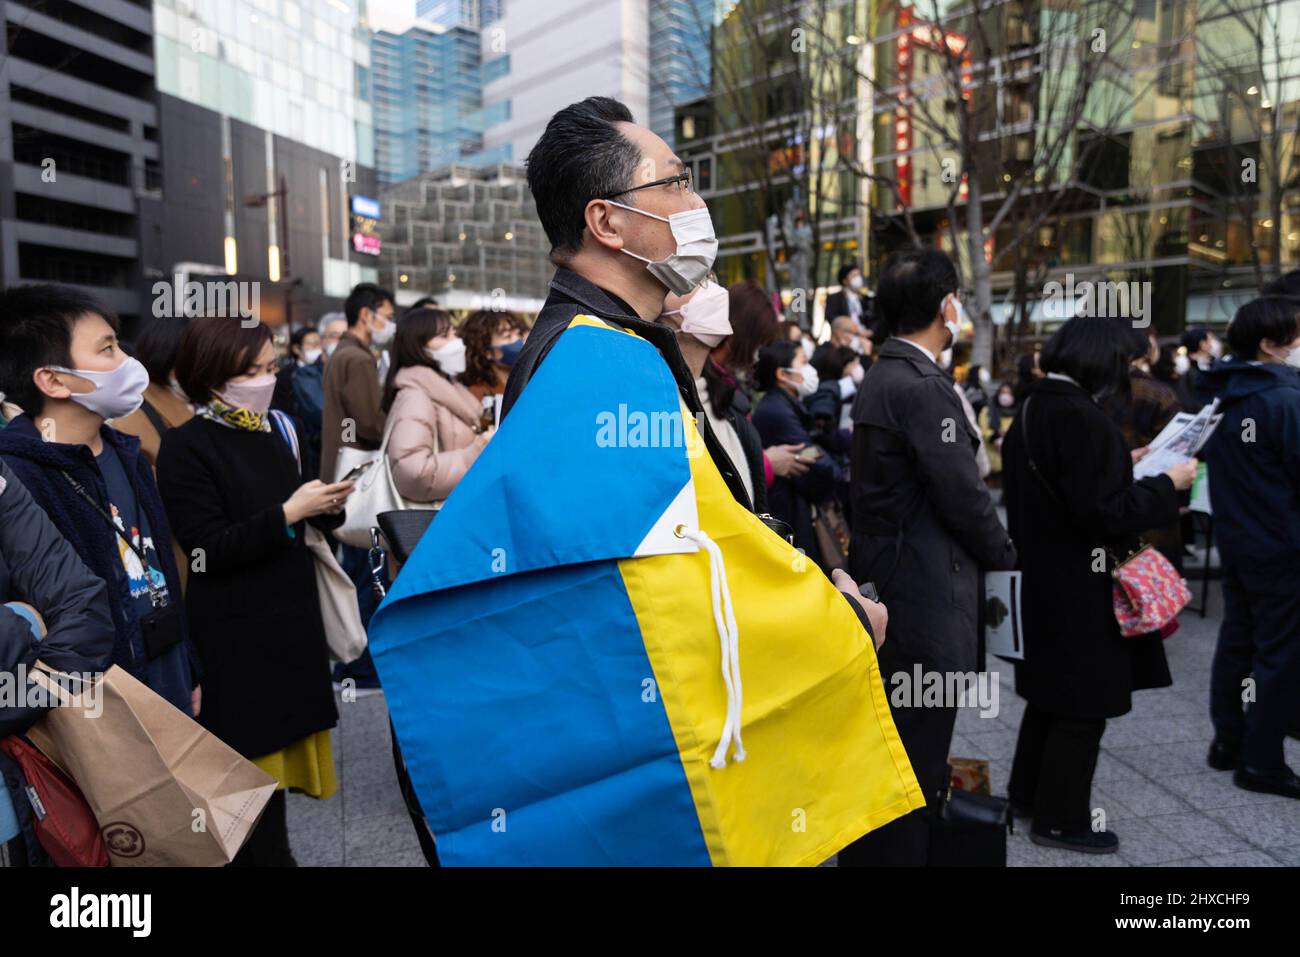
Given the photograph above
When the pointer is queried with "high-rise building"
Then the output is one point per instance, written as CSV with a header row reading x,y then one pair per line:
x,y
267,145
545,54
80,183
427,91
468,236
459,13
681,33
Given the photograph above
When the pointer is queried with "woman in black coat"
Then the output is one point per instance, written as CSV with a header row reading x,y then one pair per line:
x,y
786,377
1079,504
237,502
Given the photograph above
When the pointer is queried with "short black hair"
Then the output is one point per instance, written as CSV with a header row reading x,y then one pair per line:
x,y
300,335
581,156
365,295
831,361
421,303
913,284
1288,285
1193,338
847,268
36,331
774,356
1269,317
157,345
1094,351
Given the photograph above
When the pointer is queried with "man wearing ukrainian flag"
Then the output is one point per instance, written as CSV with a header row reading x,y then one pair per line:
x,y
598,654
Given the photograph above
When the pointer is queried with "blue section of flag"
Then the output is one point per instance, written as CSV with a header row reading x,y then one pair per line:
x,y
550,488
531,724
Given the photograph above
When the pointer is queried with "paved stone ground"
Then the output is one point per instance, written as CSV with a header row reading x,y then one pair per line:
x,y
1166,805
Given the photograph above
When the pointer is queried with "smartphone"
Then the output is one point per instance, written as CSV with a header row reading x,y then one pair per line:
x,y
811,454
356,471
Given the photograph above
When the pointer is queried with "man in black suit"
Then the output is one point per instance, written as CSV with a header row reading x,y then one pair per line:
x,y
849,300
924,526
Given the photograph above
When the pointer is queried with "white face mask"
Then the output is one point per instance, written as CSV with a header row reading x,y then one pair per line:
x,y
808,382
697,248
707,316
1216,348
857,373
450,356
252,394
1005,400
1182,364
330,347
1293,358
311,356
855,283
945,359
984,377
384,335
117,393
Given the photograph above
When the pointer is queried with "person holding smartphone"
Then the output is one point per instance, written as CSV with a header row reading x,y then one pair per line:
x,y
238,500
787,378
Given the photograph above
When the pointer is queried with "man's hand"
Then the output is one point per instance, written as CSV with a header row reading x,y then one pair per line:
x,y
784,462
877,613
1139,454
196,701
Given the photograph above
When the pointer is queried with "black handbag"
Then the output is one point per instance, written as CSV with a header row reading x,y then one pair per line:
x,y
403,529
970,830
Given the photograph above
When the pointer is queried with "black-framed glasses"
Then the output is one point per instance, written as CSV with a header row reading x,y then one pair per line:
x,y
684,179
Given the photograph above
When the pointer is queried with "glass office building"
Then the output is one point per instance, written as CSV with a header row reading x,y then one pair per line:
x,y
428,96
297,69
680,58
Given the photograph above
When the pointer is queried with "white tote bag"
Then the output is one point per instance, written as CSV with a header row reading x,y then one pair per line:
x,y
375,492
340,614
344,632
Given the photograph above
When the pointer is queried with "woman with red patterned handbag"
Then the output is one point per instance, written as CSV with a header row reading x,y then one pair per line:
x,y
1073,508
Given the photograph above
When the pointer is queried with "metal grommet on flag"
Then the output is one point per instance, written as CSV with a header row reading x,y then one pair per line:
x,y
725,619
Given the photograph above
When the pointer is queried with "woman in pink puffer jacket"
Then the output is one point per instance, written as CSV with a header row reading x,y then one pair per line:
x,y
436,424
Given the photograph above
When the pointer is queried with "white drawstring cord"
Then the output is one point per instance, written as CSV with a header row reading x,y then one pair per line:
x,y
724,618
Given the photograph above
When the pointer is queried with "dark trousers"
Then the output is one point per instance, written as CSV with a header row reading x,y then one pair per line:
x,y
1260,637
1051,775
926,734
268,845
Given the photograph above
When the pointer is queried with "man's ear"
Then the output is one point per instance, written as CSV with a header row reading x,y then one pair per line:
x,y
597,216
51,384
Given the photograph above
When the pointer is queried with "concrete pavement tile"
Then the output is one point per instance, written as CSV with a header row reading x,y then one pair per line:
x,y
1242,859
1199,833
379,837
1271,824
1141,844
1182,862
1146,797
1213,789
1290,855
1171,729
1158,760
399,859
1105,800
999,745
1111,769
372,799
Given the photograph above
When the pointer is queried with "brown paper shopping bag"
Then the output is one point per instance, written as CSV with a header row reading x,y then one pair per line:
x,y
165,791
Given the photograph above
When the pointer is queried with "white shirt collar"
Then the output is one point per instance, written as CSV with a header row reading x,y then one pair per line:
x,y
928,354
1061,376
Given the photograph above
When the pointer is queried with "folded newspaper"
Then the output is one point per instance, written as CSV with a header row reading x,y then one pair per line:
x,y
1179,441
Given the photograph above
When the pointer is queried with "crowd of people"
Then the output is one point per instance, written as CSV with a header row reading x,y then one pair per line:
x,y
156,497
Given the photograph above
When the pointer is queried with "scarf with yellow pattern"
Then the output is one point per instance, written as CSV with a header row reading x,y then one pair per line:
x,y
245,420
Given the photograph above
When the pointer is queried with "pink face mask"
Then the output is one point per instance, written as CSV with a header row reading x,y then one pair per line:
x,y
252,394
707,316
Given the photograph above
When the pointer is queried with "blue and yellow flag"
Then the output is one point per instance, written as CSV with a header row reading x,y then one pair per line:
x,y
596,656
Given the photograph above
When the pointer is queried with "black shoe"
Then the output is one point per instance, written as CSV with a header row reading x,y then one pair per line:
x,y
1283,781
1223,756
1086,842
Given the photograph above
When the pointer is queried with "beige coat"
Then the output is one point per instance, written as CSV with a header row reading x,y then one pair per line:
x,y
435,423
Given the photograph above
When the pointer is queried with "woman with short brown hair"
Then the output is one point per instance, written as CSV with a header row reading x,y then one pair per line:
x,y
232,483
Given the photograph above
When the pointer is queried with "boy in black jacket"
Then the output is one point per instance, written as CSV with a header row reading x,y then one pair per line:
x,y
61,363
